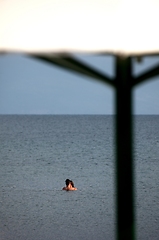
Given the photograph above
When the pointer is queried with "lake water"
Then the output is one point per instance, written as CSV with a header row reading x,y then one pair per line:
x,y
37,154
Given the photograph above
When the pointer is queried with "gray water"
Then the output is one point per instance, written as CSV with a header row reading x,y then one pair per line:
x,y
147,176
37,154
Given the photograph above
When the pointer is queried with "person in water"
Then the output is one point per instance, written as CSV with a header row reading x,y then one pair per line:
x,y
69,185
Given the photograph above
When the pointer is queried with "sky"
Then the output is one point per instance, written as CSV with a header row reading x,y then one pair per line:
x,y
29,86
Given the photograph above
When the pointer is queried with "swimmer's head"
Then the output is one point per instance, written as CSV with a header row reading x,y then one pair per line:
x,y
72,183
67,182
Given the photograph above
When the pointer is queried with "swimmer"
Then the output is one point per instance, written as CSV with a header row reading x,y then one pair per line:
x,y
72,183
69,185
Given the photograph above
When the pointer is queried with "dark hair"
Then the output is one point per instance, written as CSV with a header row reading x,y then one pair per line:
x,y
67,181
72,183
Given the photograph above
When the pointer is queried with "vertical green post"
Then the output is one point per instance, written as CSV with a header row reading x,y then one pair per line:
x,y
124,159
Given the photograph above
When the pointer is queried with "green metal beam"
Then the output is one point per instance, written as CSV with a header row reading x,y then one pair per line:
x,y
146,76
70,63
124,158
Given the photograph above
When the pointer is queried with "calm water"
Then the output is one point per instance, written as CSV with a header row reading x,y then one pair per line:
x,y
37,154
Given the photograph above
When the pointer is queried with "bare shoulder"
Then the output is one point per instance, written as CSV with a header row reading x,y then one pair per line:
x,y
69,189
73,189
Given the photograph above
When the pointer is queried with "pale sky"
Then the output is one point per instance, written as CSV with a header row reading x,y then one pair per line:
x,y
29,86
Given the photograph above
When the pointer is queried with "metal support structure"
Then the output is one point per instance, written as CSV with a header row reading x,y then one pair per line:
x,y
124,159
69,62
147,75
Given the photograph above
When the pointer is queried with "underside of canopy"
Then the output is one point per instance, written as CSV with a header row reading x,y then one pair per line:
x,y
119,27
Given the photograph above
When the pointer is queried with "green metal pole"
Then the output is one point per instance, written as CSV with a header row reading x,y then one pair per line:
x,y
124,159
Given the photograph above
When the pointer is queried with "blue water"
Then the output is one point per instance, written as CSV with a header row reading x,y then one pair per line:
x,y
37,154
